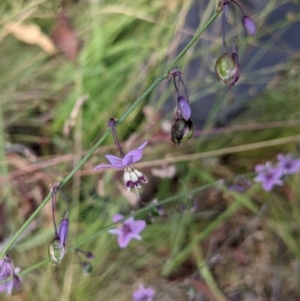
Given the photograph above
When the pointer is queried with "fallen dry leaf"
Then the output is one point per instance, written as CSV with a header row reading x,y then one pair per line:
x,y
64,37
31,34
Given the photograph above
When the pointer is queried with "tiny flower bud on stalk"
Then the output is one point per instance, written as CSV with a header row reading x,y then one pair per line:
x,y
249,25
86,266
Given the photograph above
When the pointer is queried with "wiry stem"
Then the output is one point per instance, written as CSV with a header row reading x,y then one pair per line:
x,y
242,11
185,89
112,125
225,11
55,187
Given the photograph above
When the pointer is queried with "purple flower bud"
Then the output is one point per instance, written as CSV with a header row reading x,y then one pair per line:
x,y
89,255
184,107
181,130
63,231
249,25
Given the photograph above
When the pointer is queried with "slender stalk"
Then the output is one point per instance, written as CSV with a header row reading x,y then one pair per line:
x,y
104,136
112,125
53,211
225,11
185,89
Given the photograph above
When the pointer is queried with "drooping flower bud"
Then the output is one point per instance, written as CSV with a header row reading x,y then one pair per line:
x,y
228,69
63,231
181,130
249,25
184,107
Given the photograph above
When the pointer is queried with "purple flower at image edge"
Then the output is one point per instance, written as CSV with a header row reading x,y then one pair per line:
x,y
143,294
129,229
132,177
7,271
268,175
288,164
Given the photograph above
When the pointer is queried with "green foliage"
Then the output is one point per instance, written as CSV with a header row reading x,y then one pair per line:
x,y
125,46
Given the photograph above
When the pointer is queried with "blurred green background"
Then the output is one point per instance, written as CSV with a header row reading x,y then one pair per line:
x,y
56,99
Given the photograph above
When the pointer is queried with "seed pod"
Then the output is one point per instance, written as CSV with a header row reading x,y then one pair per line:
x,y
181,131
56,251
228,69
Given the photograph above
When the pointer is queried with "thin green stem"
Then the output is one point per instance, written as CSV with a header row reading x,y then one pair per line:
x,y
104,136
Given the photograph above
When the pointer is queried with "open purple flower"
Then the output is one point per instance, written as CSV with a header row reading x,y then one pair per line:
x,y
132,177
127,230
268,175
7,271
287,164
143,294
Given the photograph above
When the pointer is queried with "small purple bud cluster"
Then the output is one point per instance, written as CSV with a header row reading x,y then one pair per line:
x,y
86,266
271,175
182,128
227,67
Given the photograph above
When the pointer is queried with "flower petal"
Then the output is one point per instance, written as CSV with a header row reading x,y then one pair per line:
x,y
117,217
132,157
124,240
115,161
115,231
136,236
138,226
9,286
105,166
143,145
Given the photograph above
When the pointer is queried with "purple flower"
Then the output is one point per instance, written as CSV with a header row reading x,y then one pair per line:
x,y
7,271
132,177
287,164
249,25
127,230
268,175
143,294
184,107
